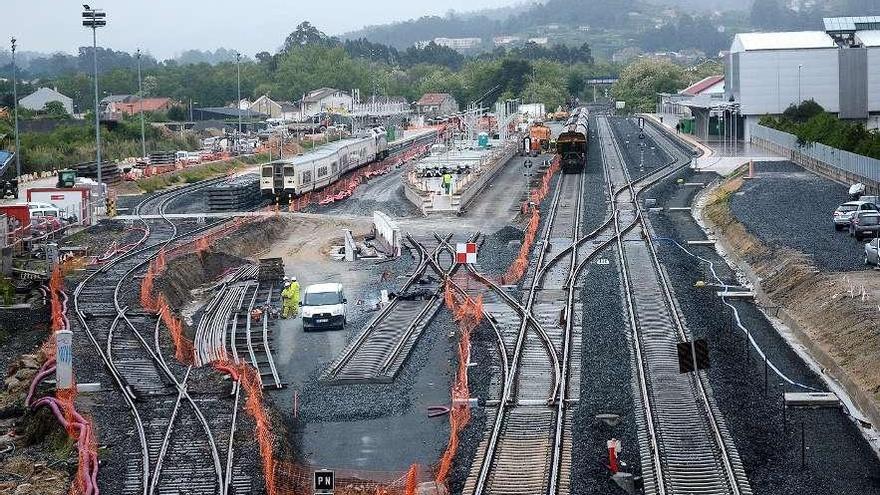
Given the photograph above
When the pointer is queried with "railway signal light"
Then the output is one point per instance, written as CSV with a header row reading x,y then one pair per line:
x,y
693,355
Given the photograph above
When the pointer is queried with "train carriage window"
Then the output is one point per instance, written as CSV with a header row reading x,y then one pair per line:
x,y
334,167
322,171
289,171
306,176
267,171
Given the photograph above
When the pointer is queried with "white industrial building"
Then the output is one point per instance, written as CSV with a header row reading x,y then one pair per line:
x,y
839,68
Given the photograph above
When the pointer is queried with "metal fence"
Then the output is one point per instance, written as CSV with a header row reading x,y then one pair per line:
x,y
843,161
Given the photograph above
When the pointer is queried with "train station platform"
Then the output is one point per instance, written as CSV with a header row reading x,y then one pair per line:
x,y
471,167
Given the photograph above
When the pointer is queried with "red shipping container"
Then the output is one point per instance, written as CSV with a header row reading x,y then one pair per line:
x,y
17,216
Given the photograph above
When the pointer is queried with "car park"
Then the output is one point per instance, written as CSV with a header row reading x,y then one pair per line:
x,y
844,213
323,306
865,224
872,256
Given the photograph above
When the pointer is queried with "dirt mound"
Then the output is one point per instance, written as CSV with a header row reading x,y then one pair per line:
x,y
189,271
834,314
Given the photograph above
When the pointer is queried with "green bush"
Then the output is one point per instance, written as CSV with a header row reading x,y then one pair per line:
x,y
817,126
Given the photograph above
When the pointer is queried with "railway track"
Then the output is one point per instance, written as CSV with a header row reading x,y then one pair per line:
x,y
381,348
685,444
552,308
183,432
226,329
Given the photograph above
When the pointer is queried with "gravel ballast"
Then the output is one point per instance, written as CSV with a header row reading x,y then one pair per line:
x,y
789,206
838,460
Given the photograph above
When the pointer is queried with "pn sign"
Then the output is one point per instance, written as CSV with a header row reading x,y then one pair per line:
x,y
466,253
325,482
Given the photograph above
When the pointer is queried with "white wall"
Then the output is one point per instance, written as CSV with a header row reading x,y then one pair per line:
x,y
874,79
768,79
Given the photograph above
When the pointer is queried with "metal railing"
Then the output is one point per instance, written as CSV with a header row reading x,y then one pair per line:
x,y
844,161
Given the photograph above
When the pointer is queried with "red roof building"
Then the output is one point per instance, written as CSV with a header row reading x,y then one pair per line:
x,y
146,105
708,85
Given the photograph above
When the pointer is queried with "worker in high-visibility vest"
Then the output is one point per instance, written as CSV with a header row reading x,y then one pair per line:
x,y
290,299
447,183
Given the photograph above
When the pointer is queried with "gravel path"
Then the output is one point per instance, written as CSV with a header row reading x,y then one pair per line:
x,y
791,207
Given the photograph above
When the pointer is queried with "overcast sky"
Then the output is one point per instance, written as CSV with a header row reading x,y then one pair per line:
x,y
165,28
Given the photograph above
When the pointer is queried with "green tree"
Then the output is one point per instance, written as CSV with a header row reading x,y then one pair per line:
x,y
56,110
177,113
641,81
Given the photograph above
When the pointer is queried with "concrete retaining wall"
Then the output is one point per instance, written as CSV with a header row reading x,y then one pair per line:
x,y
387,233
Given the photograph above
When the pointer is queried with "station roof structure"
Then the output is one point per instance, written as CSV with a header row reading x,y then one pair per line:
x,y
868,38
849,25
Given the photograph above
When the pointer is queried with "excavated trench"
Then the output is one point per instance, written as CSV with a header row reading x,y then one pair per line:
x,y
190,271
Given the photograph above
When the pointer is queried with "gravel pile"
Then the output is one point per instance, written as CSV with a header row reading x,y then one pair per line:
x,y
354,402
838,459
788,206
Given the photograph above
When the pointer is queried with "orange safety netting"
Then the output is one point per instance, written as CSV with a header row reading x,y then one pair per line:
x,y
295,479
77,425
518,268
183,348
468,313
346,186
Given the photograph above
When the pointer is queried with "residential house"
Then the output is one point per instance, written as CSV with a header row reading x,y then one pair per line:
x,y
436,104
136,105
38,99
266,105
325,100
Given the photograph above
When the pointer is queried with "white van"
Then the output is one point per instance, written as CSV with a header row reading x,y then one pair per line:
x,y
323,306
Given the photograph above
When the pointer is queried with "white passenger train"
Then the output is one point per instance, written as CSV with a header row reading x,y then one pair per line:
x,y
325,165
322,166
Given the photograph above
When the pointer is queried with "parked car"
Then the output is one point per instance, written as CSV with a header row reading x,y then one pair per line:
x,y
323,306
845,212
865,224
872,257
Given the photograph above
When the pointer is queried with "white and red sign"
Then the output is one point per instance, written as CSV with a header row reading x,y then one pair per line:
x,y
466,253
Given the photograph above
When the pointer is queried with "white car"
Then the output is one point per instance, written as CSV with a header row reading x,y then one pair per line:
x,y
323,306
845,213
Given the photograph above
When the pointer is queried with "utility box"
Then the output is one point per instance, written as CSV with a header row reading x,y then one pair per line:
x,y
73,202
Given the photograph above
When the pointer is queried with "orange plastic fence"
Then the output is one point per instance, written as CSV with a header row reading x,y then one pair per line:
x,y
531,207
86,455
467,312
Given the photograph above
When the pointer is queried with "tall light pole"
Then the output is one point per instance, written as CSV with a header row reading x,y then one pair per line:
x,y
95,18
238,102
141,102
15,106
800,66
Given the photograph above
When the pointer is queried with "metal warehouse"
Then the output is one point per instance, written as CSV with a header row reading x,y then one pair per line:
x,y
839,68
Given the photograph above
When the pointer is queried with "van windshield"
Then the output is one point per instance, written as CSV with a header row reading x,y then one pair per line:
x,y
322,298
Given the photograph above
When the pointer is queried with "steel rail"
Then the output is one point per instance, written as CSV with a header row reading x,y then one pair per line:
x,y
510,383
352,349
713,420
